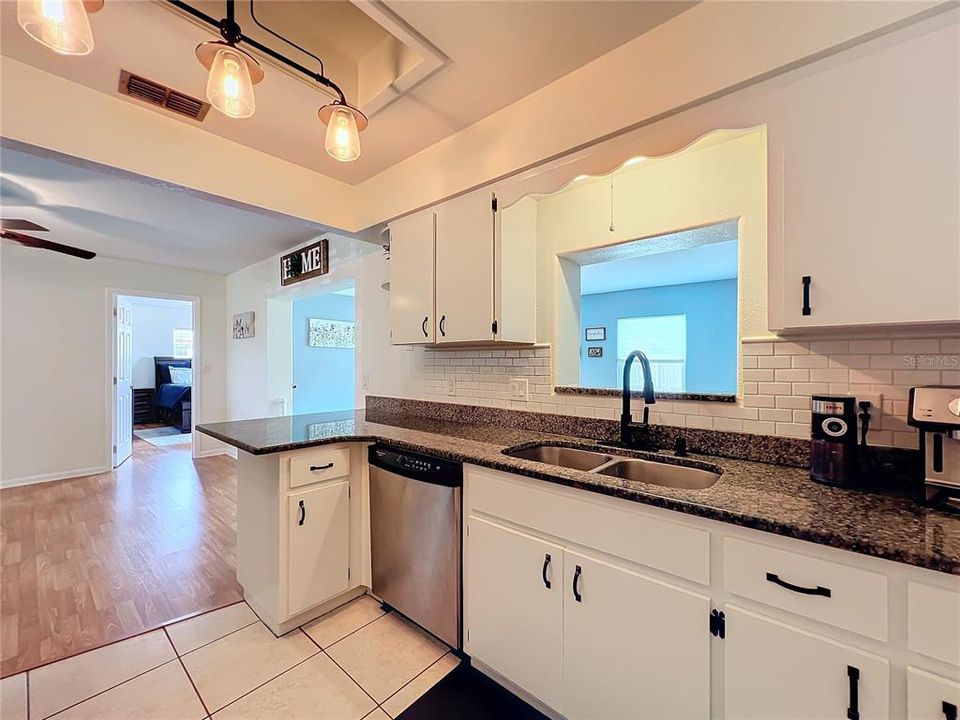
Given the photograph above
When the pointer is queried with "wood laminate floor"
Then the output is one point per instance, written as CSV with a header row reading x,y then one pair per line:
x,y
88,561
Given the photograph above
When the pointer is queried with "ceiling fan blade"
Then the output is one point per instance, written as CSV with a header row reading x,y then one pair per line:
x,y
20,224
33,242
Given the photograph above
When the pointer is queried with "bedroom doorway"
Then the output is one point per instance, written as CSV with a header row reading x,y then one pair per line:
x,y
324,351
153,350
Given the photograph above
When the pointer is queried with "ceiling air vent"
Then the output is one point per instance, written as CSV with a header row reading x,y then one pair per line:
x,y
161,96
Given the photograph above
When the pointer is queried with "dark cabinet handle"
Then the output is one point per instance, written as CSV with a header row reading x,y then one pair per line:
x,y
806,294
949,711
303,513
314,468
853,707
818,590
576,584
443,332
543,572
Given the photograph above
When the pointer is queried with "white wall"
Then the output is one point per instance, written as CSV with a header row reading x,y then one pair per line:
x,y
55,413
154,321
258,368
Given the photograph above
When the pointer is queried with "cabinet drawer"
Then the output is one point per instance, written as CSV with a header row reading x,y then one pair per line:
x,y
933,622
323,464
839,595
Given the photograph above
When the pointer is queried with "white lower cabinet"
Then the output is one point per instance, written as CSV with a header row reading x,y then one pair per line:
x,y
774,671
516,605
634,648
318,548
931,697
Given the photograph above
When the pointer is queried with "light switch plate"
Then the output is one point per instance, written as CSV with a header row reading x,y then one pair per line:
x,y
519,389
451,386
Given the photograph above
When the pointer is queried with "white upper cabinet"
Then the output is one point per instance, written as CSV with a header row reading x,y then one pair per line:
x,y
412,288
869,192
465,269
461,274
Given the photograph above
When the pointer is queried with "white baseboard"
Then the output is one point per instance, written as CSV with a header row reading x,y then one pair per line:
x,y
50,477
232,452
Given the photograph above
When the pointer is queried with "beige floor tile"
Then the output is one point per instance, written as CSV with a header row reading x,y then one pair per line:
x,y
377,714
67,682
236,664
386,655
164,693
315,689
413,690
335,625
191,634
13,697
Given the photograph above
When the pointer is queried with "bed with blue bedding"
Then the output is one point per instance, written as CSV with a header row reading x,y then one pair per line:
x,y
173,384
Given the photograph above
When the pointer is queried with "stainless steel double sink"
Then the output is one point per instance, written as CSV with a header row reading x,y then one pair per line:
x,y
632,469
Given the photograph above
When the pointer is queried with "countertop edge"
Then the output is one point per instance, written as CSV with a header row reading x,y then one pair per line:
x,y
944,565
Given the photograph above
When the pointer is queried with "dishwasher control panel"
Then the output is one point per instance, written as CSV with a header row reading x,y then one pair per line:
x,y
417,466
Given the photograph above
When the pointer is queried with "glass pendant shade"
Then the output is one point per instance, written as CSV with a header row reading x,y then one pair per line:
x,y
61,25
229,86
343,137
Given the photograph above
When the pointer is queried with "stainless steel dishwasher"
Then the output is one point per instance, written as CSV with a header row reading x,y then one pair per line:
x,y
415,537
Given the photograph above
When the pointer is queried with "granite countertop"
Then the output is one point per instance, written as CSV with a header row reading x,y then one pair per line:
x,y
773,498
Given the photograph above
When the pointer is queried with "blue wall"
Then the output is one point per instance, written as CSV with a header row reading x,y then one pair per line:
x,y
711,310
324,376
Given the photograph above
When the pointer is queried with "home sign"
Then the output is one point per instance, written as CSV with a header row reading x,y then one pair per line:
x,y
305,263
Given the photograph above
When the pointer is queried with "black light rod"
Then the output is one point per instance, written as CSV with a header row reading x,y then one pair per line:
x,y
212,21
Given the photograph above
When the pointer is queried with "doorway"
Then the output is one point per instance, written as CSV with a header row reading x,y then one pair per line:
x,y
324,351
154,350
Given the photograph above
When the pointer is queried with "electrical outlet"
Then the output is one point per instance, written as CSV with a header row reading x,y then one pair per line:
x,y
519,389
451,386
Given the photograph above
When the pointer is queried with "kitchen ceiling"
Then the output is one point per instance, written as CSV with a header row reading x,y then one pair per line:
x,y
422,69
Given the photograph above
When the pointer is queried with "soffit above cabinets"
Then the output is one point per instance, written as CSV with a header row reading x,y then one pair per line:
x,y
422,70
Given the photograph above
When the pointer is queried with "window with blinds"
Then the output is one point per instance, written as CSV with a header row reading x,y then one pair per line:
x,y
663,339
182,343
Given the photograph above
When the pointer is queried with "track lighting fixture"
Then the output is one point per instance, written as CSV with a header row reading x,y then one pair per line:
x,y
61,25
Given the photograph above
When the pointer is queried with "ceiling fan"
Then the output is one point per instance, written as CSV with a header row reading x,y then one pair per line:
x,y
9,230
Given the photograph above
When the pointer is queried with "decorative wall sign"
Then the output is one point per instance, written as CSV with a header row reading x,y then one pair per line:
x,y
330,333
594,352
243,326
307,262
593,334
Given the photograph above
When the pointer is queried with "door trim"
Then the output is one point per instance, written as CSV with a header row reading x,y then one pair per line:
x,y
110,366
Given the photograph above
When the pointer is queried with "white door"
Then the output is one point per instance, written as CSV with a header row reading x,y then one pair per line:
x,y
318,545
465,267
774,671
931,697
633,647
412,251
123,378
514,606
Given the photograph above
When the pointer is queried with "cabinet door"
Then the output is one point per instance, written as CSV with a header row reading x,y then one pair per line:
x,y
870,187
412,250
514,620
633,647
774,671
465,267
930,697
318,545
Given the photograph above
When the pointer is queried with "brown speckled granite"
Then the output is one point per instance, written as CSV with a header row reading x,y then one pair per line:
x,y
777,499
610,392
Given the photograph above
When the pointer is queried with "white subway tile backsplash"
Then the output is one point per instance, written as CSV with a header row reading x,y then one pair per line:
x,y
777,380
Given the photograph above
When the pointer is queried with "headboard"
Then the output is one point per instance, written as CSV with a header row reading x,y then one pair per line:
x,y
161,368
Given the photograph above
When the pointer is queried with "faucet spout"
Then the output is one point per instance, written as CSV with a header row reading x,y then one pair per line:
x,y
648,394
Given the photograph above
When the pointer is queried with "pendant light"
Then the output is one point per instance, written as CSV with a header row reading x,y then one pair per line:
x,y
233,72
61,25
344,124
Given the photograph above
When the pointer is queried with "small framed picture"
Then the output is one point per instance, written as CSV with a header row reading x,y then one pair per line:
x,y
594,352
594,334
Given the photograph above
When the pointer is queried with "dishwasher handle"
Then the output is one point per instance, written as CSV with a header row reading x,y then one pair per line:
x,y
416,466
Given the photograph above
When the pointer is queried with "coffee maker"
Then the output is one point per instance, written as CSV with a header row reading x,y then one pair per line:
x,y
833,446
935,412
